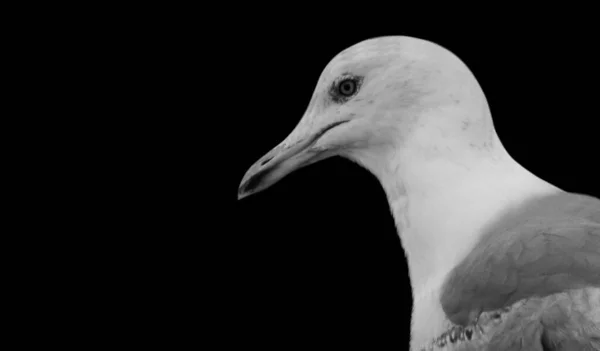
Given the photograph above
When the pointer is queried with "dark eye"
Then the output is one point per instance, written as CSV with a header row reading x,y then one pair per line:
x,y
347,87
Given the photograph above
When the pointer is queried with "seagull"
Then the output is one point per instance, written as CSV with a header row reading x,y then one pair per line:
x,y
498,258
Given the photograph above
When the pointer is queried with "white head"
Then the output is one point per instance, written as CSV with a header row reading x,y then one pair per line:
x,y
380,99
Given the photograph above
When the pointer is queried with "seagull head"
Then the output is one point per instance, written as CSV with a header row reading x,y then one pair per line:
x,y
376,100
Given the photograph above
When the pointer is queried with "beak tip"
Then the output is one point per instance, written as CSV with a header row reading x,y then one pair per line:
x,y
242,190
252,182
241,195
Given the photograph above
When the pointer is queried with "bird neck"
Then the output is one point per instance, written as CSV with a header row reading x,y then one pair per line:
x,y
440,206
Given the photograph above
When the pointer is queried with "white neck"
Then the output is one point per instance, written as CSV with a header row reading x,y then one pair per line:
x,y
441,200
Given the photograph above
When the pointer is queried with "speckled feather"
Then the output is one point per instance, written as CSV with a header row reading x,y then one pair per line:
x,y
567,321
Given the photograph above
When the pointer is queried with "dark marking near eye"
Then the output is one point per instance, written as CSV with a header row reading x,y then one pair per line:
x,y
338,94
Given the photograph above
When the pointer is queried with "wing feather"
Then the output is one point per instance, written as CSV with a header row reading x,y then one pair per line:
x,y
547,246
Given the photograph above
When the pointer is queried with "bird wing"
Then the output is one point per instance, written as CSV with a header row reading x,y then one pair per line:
x,y
546,247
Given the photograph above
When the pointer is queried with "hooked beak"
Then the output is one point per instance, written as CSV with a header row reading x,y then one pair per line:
x,y
282,160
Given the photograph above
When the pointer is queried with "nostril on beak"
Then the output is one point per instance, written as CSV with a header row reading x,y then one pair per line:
x,y
266,160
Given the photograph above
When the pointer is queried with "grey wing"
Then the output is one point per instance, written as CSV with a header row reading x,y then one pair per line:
x,y
544,253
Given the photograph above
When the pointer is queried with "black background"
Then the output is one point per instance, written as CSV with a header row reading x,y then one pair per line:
x,y
316,258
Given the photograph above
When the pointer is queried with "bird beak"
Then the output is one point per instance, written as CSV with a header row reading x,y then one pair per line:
x,y
292,154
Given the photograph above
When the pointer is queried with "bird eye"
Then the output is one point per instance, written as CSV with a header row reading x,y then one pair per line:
x,y
347,87
344,88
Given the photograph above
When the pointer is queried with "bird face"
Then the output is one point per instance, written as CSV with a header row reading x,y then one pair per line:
x,y
365,100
